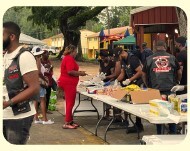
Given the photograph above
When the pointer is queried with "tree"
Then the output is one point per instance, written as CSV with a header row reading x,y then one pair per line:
x,y
67,19
94,26
19,15
113,17
182,21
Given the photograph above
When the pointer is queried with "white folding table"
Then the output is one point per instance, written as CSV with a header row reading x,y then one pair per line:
x,y
140,110
162,139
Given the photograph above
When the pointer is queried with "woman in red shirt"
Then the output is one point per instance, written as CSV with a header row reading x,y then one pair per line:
x,y
68,81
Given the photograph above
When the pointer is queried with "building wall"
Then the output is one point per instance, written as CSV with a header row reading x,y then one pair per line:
x,y
84,43
93,46
47,41
147,39
58,41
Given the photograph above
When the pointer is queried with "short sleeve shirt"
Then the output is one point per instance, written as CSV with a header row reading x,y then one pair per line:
x,y
107,69
68,64
134,62
27,64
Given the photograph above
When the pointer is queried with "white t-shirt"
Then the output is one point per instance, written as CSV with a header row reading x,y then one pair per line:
x,y
43,69
27,64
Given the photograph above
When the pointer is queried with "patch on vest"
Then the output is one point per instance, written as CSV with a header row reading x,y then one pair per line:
x,y
162,64
13,72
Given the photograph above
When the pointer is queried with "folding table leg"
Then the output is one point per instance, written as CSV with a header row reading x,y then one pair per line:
x,y
95,108
138,134
108,128
104,110
88,99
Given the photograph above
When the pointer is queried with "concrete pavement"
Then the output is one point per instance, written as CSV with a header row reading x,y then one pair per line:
x,y
54,134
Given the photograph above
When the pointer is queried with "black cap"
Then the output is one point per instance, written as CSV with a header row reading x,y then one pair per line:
x,y
104,53
117,51
181,40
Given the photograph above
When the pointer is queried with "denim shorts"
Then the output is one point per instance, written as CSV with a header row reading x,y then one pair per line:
x,y
42,92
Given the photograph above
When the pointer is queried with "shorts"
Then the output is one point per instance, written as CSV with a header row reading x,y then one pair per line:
x,y
42,92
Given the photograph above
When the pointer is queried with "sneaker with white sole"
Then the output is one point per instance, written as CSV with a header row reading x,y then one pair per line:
x,y
38,121
48,122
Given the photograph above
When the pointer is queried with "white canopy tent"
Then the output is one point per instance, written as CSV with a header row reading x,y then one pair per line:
x,y
25,39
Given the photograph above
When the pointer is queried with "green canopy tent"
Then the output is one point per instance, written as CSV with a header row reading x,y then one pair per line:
x,y
128,43
129,40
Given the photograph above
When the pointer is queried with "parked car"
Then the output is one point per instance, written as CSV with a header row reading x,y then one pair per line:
x,y
51,49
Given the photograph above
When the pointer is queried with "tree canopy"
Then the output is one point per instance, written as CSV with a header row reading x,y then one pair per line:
x,y
68,19
19,15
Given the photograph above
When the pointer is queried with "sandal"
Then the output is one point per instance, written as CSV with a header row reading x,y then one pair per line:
x,y
68,126
74,124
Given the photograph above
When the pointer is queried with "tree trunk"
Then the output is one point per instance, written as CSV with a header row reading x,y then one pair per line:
x,y
72,37
79,55
182,21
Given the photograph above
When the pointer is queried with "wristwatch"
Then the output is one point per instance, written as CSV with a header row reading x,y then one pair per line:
x,y
10,103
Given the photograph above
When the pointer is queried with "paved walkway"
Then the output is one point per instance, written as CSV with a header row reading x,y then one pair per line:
x,y
54,134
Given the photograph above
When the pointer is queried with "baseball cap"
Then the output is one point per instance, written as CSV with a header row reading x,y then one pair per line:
x,y
117,51
104,53
181,40
37,51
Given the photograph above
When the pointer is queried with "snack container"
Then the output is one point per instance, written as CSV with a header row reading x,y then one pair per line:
x,y
183,107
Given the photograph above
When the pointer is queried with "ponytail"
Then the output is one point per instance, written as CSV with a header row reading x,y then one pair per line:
x,y
69,49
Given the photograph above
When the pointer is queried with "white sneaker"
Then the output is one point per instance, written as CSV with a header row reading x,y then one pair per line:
x,y
48,122
38,122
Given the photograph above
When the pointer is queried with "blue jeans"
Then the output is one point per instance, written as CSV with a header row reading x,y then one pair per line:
x,y
16,131
172,126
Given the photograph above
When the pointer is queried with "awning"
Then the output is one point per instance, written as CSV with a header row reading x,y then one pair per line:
x,y
129,40
25,39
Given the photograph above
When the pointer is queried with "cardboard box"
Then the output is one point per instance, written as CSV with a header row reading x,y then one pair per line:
x,y
144,96
138,97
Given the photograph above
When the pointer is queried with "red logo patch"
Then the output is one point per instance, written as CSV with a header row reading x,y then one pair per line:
x,y
14,76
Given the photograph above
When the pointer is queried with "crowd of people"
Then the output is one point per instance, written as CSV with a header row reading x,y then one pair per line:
x,y
159,70
29,81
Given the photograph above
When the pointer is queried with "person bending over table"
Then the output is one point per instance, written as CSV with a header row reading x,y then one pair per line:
x,y
131,72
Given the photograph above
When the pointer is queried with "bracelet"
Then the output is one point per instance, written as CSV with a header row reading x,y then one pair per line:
x,y
10,103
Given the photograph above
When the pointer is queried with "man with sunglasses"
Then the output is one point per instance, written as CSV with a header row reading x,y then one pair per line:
x,y
21,84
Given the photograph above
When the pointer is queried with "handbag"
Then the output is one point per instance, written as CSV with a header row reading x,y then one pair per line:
x,y
43,83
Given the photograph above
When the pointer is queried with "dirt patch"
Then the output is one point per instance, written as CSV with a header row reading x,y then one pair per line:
x,y
90,68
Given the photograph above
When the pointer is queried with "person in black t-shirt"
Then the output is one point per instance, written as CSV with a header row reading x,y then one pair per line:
x,y
106,65
180,43
131,71
145,53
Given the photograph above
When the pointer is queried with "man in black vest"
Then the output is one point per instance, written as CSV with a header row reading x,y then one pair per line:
x,y
21,84
162,71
